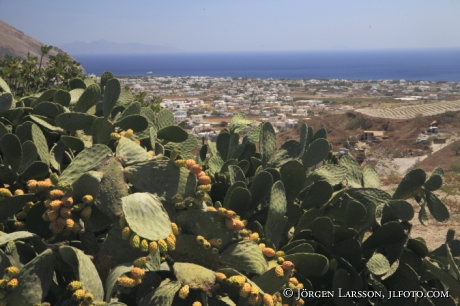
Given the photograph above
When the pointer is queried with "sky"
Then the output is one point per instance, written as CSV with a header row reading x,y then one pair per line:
x,y
236,25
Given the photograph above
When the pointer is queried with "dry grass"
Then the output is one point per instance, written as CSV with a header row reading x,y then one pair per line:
x,y
393,178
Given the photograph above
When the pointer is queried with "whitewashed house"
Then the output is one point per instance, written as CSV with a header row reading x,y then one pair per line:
x,y
197,119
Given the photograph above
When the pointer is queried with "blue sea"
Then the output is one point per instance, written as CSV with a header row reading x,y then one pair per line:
x,y
418,64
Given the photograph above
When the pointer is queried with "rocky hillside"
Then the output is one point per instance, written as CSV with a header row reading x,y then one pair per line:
x,y
15,43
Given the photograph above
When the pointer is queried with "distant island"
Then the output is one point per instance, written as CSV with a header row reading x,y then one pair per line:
x,y
108,47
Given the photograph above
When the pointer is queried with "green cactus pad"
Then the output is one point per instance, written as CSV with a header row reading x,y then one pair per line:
x,y
40,142
34,280
62,97
354,175
293,178
46,109
101,131
333,174
436,207
245,256
371,178
323,229
112,278
317,195
239,122
149,221
129,152
89,98
276,220
12,205
173,133
87,272
215,164
75,94
315,153
236,174
187,250
300,248
161,296
410,185
197,277
401,209
85,161
165,118
378,264
288,151
267,141
423,216
309,264
4,130
73,143
354,214
12,150
239,200
435,181
36,170
137,123
260,188
45,96
4,86
448,280
341,282
75,121
111,95
77,83
222,144
185,146
161,177
47,124
321,133
30,155
389,233
254,134
269,282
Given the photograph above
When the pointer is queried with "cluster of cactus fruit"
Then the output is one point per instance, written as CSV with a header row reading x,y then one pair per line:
x,y
102,202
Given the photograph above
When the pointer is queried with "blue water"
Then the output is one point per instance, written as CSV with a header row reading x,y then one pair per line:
x,y
420,64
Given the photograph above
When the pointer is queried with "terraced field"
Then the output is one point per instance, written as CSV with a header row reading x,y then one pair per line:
x,y
411,111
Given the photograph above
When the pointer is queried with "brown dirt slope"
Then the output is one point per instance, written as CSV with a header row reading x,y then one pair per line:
x,y
442,158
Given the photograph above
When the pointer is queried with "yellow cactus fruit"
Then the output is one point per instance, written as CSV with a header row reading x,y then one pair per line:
x,y
220,277
299,286
190,163
126,233
237,280
19,225
67,201
28,206
221,211
180,163
175,229
144,246
173,237
65,212
299,302
55,205
52,215
135,241
211,208
171,243
12,271
268,252
75,285
86,213
43,185
56,228
253,299
268,300
294,281
162,245
45,217
262,246
201,173
206,245
56,194
32,186
4,192
21,215
78,295
13,283
54,178
204,180
237,225
200,239
88,298
215,242
126,282
196,303
279,254
69,223
151,153
115,136
245,233
137,142
287,265
122,221
18,192
87,199
245,290
254,237
206,188
196,169
280,260
129,133
184,291
122,133
140,262
137,273
254,291
279,271
230,214
153,247
229,223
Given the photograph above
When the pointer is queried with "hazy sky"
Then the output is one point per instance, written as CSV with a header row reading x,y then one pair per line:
x,y
249,25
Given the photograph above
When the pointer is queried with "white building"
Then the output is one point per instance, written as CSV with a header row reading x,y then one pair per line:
x,y
197,118
286,109
180,115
